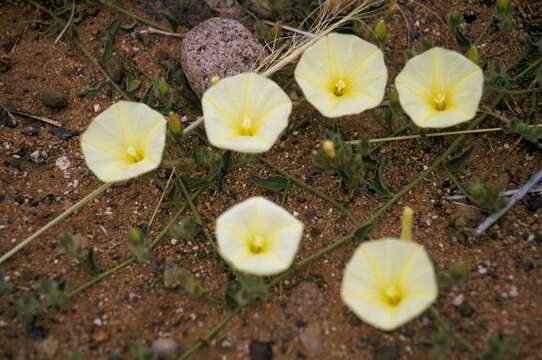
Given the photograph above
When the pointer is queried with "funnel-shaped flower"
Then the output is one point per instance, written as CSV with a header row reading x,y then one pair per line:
x,y
245,113
388,282
440,88
124,141
258,237
342,74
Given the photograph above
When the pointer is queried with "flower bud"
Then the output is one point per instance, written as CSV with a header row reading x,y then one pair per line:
x,y
329,149
380,30
503,5
163,87
215,79
136,236
454,18
472,54
174,123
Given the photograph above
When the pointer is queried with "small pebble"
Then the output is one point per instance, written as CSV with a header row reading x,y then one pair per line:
x,y
54,99
38,157
97,108
458,300
260,350
165,348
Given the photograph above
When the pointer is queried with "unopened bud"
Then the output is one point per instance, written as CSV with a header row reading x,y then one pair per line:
x,y
472,54
454,18
407,221
136,236
503,5
215,79
163,87
393,96
380,30
174,123
329,149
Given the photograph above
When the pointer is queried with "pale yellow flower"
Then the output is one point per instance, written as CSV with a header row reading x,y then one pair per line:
x,y
124,141
245,113
389,282
258,237
440,88
342,74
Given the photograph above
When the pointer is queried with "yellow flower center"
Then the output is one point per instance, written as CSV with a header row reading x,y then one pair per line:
x,y
339,88
256,244
439,101
134,155
247,127
392,295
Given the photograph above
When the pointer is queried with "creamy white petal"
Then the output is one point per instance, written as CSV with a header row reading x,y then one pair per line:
x,y
342,58
123,128
246,97
438,73
380,265
258,218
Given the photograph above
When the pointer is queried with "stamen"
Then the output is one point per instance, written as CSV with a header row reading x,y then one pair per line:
x,y
246,127
392,295
340,86
257,244
440,102
134,155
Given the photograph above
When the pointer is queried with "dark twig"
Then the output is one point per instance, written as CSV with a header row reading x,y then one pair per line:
x,y
513,200
35,117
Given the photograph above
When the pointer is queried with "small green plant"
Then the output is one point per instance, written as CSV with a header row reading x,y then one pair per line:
x,y
54,292
486,195
87,258
138,241
350,162
140,351
245,289
187,229
454,275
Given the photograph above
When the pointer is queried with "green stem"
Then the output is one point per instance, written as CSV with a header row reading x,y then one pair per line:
x,y
484,30
197,215
461,188
305,186
464,342
211,334
59,218
130,260
84,50
517,92
526,70
132,15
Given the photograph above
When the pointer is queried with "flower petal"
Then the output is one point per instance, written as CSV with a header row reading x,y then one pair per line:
x,y
245,96
342,57
106,141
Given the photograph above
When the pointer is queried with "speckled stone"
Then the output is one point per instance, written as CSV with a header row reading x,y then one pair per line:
x,y
218,46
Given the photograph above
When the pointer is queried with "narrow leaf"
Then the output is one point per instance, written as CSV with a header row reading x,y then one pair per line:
x,y
457,162
378,182
273,183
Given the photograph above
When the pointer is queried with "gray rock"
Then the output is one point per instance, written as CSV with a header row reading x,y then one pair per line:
x,y
54,99
310,338
115,69
218,47
165,348
307,300
172,275
38,157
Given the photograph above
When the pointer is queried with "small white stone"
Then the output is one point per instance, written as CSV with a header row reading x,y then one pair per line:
x,y
97,108
513,292
174,241
63,163
97,322
458,300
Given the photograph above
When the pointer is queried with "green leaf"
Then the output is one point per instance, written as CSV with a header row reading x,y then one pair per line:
x,y
457,162
362,233
91,262
102,86
54,292
142,352
130,26
378,182
4,287
500,346
132,84
109,38
273,183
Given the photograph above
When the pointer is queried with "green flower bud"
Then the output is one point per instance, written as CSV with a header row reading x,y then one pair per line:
x,y
163,88
380,30
174,123
503,5
454,18
473,55
329,149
